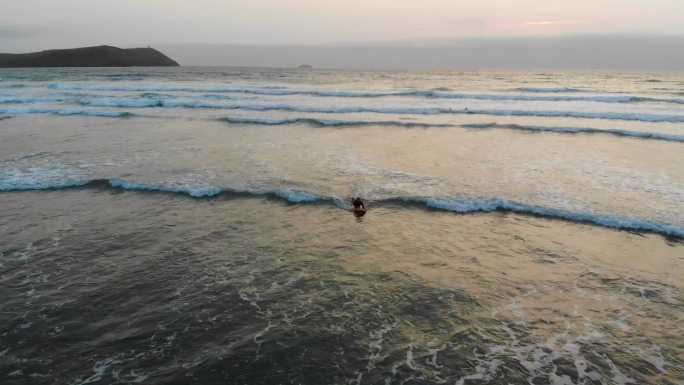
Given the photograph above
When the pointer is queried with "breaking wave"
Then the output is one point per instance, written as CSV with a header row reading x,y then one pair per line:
x,y
469,205
457,205
274,91
398,123
29,99
582,130
208,191
550,89
553,98
215,93
330,122
123,102
86,112
631,116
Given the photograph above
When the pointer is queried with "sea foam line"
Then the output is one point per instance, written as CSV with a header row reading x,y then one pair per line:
x,y
456,205
629,116
398,123
469,205
582,130
26,99
550,89
329,122
273,91
86,112
293,196
436,94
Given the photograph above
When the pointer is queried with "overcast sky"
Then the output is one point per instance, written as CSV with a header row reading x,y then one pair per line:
x,y
30,25
37,24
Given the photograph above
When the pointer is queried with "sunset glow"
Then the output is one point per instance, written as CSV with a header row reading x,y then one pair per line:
x,y
315,22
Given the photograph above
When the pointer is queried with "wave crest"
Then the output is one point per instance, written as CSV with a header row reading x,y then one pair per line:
x,y
457,205
398,123
500,204
628,116
216,93
86,112
550,89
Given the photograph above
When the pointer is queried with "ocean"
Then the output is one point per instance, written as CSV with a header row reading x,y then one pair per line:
x,y
193,225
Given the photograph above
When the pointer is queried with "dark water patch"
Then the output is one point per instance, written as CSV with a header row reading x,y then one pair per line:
x,y
185,293
166,315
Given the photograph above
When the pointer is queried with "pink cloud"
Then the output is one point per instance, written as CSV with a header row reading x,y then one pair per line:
x,y
555,22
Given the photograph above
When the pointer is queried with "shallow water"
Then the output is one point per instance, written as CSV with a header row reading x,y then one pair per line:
x,y
177,243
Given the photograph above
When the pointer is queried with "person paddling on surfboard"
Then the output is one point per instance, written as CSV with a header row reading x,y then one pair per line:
x,y
359,207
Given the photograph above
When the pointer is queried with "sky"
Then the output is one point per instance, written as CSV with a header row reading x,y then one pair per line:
x,y
31,25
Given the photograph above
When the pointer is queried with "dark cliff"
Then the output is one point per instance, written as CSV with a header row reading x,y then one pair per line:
x,y
100,56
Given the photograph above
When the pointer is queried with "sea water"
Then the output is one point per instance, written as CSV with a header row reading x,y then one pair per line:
x,y
193,225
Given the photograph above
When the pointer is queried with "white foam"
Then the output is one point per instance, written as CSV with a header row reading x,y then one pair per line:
x,y
29,99
399,123
467,205
588,130
549,89
375,345
275,91
38,178
554,98
55,111
99,369
298,196
628,116
409,358
190,190
121,102
281,91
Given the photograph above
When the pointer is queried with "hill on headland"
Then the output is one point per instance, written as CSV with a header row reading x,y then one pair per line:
x,y
100,56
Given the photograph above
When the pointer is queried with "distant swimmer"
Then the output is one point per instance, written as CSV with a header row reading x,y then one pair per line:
x,y
359,207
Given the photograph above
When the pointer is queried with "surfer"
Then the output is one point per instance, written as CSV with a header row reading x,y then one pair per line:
x,y
359,207
358,204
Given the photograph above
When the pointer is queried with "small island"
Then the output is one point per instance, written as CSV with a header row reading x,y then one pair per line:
x,y
99,56
305,66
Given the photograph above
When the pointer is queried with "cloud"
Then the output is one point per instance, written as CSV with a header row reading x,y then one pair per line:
x,y
16,32
647,52
556,22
